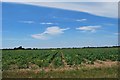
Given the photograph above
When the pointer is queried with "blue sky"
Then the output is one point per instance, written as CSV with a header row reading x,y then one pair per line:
x,y
45,26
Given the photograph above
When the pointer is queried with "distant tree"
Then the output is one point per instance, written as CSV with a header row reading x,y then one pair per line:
x,y
20,47
35,48
15,48
28,49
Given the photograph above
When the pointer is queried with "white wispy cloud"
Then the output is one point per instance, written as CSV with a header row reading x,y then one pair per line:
x,y
27,22
117,33
106,8
41,36
46,23
80,20
50,31
109,24
89,28
103,8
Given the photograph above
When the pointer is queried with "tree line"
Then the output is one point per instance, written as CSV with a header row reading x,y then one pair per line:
x,y
21,48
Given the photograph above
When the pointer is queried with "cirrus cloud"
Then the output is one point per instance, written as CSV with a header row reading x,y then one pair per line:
x,y
117,33
105,8
27,22
50,31
80,20
46,23
88,28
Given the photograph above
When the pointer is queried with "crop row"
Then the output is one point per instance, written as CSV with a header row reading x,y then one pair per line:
x,y
19,59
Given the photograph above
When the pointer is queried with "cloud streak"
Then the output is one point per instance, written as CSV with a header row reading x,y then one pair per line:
x,y
81,20
48,23
117,33
104,9
50,31
89,28
27,22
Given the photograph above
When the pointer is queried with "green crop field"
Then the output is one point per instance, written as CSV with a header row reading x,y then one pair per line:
x,y
50,62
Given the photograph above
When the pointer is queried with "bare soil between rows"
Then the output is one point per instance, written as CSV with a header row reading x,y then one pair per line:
x,y
97,64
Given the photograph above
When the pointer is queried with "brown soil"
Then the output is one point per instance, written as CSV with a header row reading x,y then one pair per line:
x,y
97,64
63,60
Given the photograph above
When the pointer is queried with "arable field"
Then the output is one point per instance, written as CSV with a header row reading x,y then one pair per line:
x,y
60,63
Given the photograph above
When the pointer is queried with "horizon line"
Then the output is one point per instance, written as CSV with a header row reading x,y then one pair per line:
x,y
62,47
